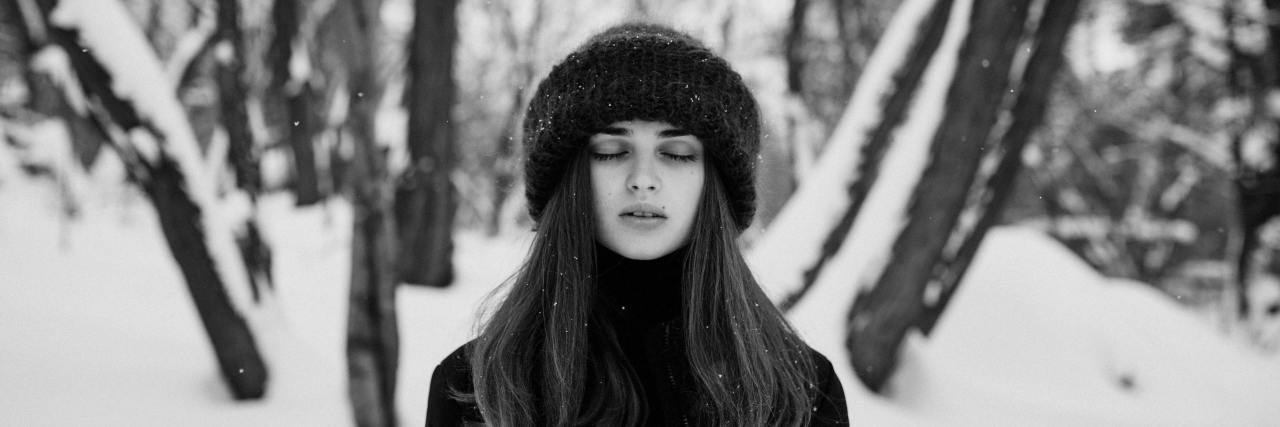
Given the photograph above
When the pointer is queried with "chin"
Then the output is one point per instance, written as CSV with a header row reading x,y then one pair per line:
x,y
641,251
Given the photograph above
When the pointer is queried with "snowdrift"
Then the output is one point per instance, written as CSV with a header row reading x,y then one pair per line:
x,y
97,329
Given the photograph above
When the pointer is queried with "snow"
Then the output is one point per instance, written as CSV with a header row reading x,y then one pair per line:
x,y
1034,334
99,328
1098,47
110,337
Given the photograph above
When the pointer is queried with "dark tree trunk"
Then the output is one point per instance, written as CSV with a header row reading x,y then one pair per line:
x,y
1028,111
180,218
425,200
1258,188
881,316
231,93
301,133
905,80
242,366
372,334
795,46
297,97
244,158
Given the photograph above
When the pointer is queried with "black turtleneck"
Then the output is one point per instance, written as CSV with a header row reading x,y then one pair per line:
x,y
643,294
639,298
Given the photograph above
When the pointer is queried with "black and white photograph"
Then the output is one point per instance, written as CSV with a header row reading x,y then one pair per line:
x,y
453,213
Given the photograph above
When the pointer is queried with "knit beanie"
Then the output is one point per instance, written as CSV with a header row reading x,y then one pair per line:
x,y
651,73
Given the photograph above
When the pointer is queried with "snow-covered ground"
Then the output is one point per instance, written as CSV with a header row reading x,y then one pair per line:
x,y
97,328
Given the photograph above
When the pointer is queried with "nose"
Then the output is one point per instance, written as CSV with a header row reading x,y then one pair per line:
x,y
643,177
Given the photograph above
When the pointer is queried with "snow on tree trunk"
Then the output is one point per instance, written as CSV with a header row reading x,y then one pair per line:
x,y
132,96
987,200
906,80
799,241
908,291
372,334
425,201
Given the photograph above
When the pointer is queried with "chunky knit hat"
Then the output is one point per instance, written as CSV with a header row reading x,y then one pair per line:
x,y
643,72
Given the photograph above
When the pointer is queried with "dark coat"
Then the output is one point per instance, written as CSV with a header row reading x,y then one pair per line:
x,y
667,391
641,299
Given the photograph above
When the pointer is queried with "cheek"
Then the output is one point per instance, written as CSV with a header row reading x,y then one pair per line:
x,y
691,192
601,188
695,188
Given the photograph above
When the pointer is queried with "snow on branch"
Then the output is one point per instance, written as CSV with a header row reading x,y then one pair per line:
x,y
106,33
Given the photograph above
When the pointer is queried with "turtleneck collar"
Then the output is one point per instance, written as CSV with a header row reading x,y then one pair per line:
x,y
642,293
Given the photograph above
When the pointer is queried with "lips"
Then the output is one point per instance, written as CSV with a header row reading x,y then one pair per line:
x,y
643,210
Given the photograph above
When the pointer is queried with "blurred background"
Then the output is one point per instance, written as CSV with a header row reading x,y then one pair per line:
x,y
286,212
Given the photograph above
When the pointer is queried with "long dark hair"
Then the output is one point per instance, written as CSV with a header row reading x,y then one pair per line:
x,y
545,356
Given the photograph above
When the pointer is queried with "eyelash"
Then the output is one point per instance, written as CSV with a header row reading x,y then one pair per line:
x,y
606,156
610,156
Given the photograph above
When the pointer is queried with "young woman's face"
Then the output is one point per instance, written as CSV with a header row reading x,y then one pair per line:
x,y
647,180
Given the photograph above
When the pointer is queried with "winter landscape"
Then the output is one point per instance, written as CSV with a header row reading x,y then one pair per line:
x,y
98,331
1080,228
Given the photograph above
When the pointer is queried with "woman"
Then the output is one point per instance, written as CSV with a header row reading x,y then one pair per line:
x,y
635,306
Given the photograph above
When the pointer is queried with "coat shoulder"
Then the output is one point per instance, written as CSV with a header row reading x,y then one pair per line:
x,y
459,359
822,366
450,399
830,407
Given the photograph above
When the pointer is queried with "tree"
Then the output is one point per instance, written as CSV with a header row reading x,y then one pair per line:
x,y
913,288
893,210
425,200
372,334
858,145
1255,146
130,96
297,94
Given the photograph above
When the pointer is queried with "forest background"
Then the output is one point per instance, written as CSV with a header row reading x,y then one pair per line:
x,y
1141,135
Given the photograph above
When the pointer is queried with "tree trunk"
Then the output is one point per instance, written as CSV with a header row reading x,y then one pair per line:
x,y
905,82
372,334
296,96
244,158
1257,185
794,46
425,201
169,185
881,316
1028,111
231,94
242,366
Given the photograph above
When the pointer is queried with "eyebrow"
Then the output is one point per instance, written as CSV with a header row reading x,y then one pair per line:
x,y
620,131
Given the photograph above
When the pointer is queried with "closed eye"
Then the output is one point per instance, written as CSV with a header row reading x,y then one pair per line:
x,y
681,157
607,156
